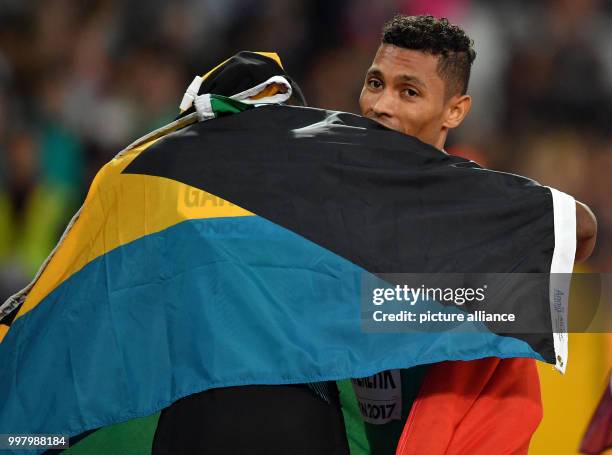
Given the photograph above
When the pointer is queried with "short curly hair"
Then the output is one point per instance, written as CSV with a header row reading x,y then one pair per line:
x,y
437,37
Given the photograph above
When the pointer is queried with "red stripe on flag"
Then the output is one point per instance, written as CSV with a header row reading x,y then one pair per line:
x,y
479,407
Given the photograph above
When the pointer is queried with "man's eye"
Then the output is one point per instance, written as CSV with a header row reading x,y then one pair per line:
x,y
374,83
410,92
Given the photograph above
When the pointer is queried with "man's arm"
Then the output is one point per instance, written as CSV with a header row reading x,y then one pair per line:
x,y
586,231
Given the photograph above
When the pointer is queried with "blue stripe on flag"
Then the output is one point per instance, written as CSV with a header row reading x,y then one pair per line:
x,y
206,303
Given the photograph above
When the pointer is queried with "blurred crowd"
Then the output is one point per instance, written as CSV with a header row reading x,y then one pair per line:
x,y
81,79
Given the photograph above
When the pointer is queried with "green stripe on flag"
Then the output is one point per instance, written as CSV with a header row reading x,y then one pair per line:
x,y
355,428
134,437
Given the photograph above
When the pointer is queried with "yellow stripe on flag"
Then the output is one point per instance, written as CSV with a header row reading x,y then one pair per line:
x,y
3,331
119,209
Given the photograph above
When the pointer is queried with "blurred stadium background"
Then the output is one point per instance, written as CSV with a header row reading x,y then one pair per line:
x,y
80,79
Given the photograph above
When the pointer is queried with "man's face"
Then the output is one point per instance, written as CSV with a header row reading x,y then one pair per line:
x,y
404,92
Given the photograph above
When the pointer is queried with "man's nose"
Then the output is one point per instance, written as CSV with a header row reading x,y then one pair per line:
x,y
384,105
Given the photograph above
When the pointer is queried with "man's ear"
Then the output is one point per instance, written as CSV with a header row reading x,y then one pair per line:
x,y
457,109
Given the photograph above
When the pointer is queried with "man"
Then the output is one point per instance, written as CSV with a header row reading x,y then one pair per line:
x,y
417,85
264,416
240,319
